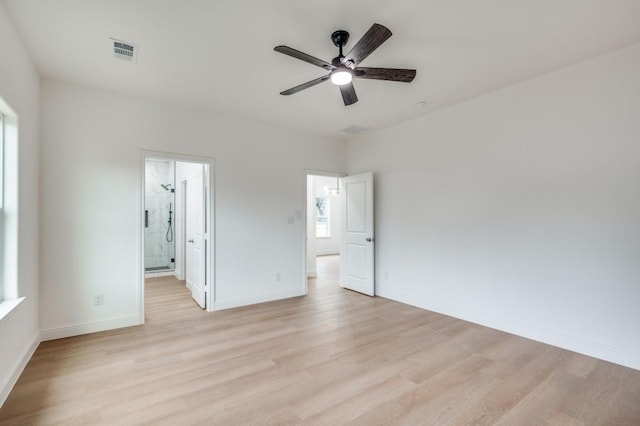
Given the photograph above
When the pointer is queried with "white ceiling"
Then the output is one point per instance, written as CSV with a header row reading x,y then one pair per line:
x,y
219,53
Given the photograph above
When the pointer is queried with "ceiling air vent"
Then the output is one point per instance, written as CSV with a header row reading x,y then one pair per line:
x,y
355,129
124,50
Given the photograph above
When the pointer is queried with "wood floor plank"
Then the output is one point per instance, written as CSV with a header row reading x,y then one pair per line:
x,y
333,357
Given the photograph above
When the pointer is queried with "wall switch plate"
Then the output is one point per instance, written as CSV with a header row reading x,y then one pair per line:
x,y
98,299
277,276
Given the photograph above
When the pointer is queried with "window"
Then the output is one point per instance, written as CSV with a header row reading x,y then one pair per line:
x,y
9,297
1,203
323,229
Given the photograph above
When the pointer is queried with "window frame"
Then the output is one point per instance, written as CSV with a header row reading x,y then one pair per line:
x,y
10,296
2,224
326,216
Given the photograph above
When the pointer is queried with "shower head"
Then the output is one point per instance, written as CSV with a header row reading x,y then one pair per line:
x,y
166,187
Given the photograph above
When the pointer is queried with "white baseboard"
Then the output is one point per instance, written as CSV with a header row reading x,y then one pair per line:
x,y
244,301
550,337
159,274
328,253
70,330
7,385
564,341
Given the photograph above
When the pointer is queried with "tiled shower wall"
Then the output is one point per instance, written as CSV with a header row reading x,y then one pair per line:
x,y
158,252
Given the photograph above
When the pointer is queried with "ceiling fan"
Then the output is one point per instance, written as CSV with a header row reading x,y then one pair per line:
x,y
344,68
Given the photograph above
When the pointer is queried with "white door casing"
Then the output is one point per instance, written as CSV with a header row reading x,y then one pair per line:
x,y
195,228
357,254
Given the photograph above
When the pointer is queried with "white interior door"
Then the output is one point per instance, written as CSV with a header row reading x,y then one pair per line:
x,y
195,227
357,254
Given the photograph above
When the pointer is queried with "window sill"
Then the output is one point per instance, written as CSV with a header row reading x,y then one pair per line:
x,y
8,306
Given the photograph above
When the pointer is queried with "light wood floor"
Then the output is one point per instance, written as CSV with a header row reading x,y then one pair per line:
x,y
330,358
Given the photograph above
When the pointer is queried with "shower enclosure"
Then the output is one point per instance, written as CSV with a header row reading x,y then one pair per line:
x,y
159,215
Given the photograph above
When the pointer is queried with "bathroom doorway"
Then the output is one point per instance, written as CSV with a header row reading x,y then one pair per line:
x,y
177,247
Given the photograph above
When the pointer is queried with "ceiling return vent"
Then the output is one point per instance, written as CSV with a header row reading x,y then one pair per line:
x,y
355,129
125,50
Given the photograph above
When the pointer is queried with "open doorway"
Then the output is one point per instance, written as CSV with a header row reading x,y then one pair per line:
x,y
176,239
324,230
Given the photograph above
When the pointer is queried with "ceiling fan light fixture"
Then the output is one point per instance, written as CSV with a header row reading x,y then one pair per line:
x,y
341,77
333,192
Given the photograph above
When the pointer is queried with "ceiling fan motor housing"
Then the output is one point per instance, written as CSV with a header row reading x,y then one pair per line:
x,y
340,38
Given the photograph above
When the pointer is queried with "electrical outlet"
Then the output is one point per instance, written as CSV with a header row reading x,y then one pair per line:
x,y
98,299
277,276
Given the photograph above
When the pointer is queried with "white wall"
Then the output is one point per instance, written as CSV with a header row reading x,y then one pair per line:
x,y
520,209
91,143
19,88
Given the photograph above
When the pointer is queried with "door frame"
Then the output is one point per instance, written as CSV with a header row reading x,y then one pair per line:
x,y
209,221
307,173
183,228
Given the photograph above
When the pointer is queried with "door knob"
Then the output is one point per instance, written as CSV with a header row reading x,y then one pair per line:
x,y
369,240
189,241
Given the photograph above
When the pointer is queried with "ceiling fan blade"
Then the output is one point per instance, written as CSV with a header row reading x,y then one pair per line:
x,y
305,85
370,41
390,74
304,57
348,94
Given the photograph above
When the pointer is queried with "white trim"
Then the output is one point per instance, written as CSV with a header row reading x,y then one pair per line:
x,y
10,205
9,306
327,253
70,330
9,382
209,242
180,255
140,224
323,173
270,297
3,312
160,274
